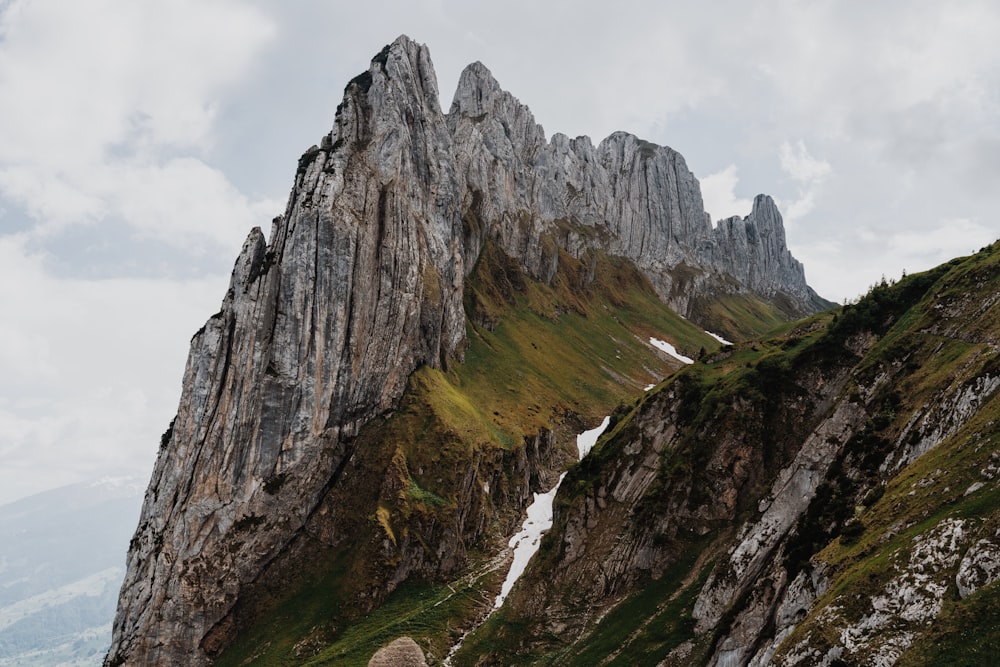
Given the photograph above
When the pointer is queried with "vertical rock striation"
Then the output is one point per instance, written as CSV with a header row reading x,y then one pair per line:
x,y
360,283
626,196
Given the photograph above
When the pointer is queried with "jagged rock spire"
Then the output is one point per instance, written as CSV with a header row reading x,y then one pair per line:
x,y
360,283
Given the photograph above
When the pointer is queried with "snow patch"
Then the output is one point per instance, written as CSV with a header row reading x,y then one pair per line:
x,y
586,440
526,542
719,338
671,350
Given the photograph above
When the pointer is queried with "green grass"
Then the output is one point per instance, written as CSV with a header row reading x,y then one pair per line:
x,y
418,610
553,357
738,317
304,611
966,634
641,629
297,635
650,623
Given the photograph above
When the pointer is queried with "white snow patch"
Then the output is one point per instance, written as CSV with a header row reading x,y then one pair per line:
x,y
525,543
719,338
671,350
586,440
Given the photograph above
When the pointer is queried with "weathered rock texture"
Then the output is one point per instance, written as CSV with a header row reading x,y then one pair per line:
x,y
627,196
856,456
403,652
361,283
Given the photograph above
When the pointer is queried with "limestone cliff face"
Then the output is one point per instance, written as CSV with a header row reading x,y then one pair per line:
x,y
627,196
361,283
753,251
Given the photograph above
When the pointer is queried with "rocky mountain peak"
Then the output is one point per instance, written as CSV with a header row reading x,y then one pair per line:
x,y
476,90
360,285
753,249
493,117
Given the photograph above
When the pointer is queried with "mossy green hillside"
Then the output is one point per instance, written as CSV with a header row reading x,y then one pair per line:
x,y
641,629
738,316
540,357
654,618
579,345
311,628
904,346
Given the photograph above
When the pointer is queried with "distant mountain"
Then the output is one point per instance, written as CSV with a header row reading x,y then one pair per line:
x,y
61,565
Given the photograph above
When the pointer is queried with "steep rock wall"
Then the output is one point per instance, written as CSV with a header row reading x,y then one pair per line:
x,y
361,283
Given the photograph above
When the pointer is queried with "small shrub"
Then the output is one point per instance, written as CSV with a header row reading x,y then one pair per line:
x,y
850,533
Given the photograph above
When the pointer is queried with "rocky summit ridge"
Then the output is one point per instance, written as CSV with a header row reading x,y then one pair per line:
x,y
364,280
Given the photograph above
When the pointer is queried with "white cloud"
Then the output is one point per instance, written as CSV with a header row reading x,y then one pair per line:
x,y
184,199
90,370
926,248
800,165
101,97
809,174
718,191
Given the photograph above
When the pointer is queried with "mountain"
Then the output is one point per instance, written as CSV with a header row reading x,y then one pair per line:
x,y
393,373
824,496
61,564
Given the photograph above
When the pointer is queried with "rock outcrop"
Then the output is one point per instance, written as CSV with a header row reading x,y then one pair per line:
x,y
627,196
822,498
403,652
361,283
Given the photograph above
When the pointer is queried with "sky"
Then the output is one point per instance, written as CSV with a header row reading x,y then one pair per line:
x,y
141,141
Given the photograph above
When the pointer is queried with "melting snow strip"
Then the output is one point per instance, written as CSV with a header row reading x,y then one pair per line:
x,y
719,338
586,440
525,543
671,350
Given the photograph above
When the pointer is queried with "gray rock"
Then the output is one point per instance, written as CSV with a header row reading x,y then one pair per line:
x,y
360,283
979,567
403,652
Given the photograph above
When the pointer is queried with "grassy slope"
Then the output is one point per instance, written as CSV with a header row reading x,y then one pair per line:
x,y
737,316
928,352
947,339
645,626
553,356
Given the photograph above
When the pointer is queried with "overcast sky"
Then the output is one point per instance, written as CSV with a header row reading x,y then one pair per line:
x,y
141,140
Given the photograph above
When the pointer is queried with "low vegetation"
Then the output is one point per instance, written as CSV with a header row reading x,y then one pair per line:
x,y
541,357
907,345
